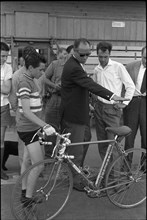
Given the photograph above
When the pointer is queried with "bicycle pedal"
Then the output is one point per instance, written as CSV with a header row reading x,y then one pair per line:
x,y
93,194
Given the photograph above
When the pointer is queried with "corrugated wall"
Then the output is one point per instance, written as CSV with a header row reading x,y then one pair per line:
x,y
67,20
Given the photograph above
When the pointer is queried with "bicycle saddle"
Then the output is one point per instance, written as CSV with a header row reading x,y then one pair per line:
x,y
121,131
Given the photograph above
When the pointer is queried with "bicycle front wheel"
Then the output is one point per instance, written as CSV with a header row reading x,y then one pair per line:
x,y
51,191
126,179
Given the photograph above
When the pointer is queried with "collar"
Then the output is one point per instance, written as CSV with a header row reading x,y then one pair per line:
x,y
142,66
82,65
109,63
3,65
27,76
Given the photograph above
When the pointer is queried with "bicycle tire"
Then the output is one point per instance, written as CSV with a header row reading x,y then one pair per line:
x,y
57,199
125,191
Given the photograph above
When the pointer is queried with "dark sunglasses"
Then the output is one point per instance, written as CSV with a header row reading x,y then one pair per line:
x,y
85,54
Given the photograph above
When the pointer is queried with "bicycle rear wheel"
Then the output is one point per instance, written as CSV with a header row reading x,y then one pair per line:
x,y
126,178
51,192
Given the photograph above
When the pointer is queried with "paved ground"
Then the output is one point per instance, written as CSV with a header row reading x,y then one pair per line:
x,y
79,207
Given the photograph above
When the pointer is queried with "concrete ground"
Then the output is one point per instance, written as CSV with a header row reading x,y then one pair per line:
x,y
79,207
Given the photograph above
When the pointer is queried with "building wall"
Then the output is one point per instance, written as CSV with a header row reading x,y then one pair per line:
x,y
67,20
36,23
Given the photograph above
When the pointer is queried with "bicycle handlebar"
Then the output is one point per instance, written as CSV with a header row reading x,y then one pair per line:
x,y
41,134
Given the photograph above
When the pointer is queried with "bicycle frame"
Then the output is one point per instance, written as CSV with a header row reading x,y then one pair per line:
x,y
112,143
61,155
103,166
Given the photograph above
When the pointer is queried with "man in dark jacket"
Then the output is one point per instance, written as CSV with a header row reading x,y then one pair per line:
x,y
135,113
75,88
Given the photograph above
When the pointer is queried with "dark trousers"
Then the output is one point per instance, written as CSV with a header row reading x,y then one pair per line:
x,y
105,116
79,133
52,117
134,116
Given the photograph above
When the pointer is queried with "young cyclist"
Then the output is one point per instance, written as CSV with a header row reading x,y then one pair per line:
x,y
28,120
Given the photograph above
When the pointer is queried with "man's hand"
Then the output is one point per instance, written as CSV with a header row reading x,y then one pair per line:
x,y
91,108
120,99
58,87
119,105
144,94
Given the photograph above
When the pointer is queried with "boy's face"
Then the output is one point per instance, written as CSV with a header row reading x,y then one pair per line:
x,y
4,55
37,72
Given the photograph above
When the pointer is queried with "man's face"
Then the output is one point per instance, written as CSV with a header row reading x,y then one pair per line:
x,y
21,61
62,55
144,58
42,67
103,57
82,52
4,55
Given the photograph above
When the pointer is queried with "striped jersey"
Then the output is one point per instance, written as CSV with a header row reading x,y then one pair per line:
x,y
27,89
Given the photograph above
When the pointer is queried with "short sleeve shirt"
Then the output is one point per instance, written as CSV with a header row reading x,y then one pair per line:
x,y
27,89
6,74
55,69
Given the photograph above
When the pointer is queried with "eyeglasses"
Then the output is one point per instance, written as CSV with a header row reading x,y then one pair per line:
x,y
83,55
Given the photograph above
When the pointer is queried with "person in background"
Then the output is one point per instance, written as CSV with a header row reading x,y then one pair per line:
x,y
15,64
74,108
134,115
52,79
111,75
6,76
70,50
21,62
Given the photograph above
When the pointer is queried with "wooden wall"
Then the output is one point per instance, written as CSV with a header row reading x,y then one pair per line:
x,y
67,20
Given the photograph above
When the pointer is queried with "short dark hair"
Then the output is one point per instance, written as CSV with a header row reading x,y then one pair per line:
x,y
27,51
104,45
33,59
80,40
4,47
143,49
69,48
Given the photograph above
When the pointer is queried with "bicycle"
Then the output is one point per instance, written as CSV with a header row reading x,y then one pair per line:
x,y
125,178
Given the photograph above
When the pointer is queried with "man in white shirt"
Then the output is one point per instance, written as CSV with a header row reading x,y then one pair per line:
x,y
111,75
135,113
6,75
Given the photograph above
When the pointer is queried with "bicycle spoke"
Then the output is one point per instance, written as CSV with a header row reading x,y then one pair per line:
x,y
128,183
51,193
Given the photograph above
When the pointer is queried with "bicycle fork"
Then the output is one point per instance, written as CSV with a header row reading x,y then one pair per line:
x,y
58,163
